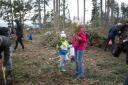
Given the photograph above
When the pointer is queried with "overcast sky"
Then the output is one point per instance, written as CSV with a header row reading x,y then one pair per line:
x,y
73,8
72,5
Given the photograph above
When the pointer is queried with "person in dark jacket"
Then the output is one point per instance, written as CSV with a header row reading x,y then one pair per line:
x,y
5,31
19,34
112,34
122,46
5,47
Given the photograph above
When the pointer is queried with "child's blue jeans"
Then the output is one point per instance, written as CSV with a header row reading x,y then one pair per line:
x,y
79,62
62,61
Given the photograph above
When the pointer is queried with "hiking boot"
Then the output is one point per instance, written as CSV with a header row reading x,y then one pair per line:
x,y
81,78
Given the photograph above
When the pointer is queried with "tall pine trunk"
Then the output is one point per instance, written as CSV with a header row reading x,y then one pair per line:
x,y
84,12
107,13
56,14
59,13
39,9
63,13
44,12
78,9
11,9
54,10
112,10
101,4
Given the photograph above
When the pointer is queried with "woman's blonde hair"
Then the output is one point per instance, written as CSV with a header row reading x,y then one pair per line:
x,y
77,28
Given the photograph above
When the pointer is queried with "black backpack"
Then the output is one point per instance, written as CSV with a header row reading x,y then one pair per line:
x,y
4,31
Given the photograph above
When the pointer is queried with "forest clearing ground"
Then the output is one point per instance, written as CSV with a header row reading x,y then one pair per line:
x,y
34,66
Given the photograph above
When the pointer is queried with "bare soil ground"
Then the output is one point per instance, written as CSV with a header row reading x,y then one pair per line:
x,y
38,65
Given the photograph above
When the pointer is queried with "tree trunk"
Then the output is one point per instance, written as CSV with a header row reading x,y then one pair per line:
x,y
39,13
69,15
107,13
44,12
84,12
112,9
54,11
78,9
59,13
105,6
22,14
63,13
101,4
11,14
54,6
56,16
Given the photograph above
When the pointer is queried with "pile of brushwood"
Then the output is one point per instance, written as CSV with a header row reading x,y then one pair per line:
x,y
50,39
94,39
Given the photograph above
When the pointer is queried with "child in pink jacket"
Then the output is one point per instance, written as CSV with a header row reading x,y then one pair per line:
x,y
79,41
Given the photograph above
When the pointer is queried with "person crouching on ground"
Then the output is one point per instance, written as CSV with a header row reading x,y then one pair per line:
x,y
63,50
79,43
5,47
114,30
